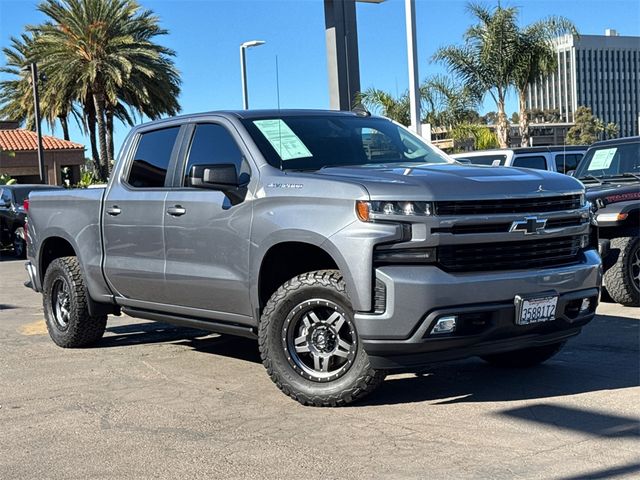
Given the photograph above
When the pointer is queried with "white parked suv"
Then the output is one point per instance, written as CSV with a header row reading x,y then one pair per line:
x,y
561,159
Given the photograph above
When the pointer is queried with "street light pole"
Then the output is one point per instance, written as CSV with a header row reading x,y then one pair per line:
x,y
243,69
412,52
33,68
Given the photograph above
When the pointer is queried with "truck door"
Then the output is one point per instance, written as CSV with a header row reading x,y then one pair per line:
x,y
206,234
133,217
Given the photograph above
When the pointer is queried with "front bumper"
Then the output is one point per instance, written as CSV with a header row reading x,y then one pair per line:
x,y
417,296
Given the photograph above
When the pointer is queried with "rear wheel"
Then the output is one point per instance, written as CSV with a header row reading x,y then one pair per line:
x,y
622,280
65,306
19,244
527,357
309,344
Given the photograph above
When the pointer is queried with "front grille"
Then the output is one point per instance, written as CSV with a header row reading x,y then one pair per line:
x,y
519,255
516,205
552,223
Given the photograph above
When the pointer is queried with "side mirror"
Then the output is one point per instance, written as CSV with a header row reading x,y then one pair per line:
x,y
223,177
571,173
5,204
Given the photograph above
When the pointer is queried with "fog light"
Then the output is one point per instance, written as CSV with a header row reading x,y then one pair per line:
x,y
585,305
445,325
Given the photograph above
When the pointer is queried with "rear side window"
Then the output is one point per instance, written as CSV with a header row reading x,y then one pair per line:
x,y
212,144
152,157
538,163
5,195
567,162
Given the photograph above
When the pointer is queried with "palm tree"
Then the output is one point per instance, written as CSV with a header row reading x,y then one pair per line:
x,y
535,57
383,103
103,50
486,60
16,100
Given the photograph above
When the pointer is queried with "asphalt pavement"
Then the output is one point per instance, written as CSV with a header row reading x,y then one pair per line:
x,y
157,401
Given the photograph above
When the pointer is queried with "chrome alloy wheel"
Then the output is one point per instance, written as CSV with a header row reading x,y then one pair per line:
x,y
634,266
319,340
61,303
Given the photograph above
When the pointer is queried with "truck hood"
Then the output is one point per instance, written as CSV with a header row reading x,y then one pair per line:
x,y
613,192
452,181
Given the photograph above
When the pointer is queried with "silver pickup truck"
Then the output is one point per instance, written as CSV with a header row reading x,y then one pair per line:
x,y
344,243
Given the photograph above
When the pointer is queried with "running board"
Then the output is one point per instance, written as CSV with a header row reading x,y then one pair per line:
x,y
212,326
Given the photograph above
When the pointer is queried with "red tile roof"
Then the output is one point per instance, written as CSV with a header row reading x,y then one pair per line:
x,y
19,139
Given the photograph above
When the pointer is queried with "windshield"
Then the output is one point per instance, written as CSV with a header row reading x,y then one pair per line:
x,y
494,160
610,161
313,142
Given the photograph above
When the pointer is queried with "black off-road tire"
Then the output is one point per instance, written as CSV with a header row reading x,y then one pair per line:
x,y
19,244
81,329
359,380
619,280
525,358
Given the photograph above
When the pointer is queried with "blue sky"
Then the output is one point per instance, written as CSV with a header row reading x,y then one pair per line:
x,y
206,35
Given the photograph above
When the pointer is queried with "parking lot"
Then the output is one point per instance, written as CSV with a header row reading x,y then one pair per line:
x,y
156,401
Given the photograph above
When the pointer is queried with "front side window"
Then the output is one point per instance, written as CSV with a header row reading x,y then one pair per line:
x,y
152,157
311,142
537,163
212,144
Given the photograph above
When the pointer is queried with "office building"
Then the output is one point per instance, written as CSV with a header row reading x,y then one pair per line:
x,y
601,72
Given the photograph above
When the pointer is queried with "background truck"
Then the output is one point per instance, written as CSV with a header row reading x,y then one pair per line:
x,y
560,158
345,244
12,216
611,174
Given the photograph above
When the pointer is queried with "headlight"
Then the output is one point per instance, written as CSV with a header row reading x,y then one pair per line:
x,y
369,211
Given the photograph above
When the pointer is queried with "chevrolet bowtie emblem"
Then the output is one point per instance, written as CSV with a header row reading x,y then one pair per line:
x,y
529,225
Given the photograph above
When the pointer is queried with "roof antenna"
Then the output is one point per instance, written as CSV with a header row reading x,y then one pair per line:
x,y
279,116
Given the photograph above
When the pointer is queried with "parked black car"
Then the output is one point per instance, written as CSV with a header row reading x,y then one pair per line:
x,y
610,171
12,215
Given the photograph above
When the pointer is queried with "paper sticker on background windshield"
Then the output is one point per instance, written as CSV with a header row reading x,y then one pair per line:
x,y
283,139
602,159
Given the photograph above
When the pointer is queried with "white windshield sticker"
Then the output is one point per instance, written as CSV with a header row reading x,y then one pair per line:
x,y
602,159
283,139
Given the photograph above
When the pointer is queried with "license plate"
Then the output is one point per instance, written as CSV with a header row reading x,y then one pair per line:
x,y
535,309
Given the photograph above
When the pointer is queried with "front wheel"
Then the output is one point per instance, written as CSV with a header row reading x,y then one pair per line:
x,y
527,357
65,306
309,344
622,280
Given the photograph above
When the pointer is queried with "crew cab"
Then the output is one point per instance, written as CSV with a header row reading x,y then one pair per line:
x,y
342,242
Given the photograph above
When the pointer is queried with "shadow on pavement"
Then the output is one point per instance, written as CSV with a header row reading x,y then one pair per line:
x,y
577,420
614,472
604,357
148,332
199,340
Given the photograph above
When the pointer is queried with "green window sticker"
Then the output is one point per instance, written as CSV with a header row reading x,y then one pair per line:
x,y
602,159
282,139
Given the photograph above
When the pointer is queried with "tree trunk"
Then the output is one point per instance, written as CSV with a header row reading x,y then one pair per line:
x,y
91,124
109,115
98,101
65,126
524,118
502,126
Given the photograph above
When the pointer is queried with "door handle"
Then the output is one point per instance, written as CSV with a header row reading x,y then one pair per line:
x,y
113,211
176,211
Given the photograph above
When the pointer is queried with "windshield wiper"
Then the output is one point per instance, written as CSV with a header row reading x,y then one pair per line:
x,y
629,174
591,177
